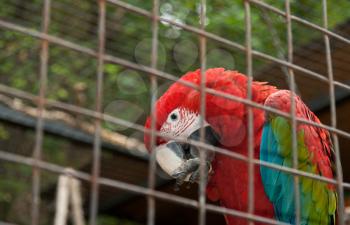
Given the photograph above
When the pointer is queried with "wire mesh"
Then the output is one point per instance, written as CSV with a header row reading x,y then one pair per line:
x,y
333,117
150,192
293,113
99,96
202,154
250,125
153,79
40,122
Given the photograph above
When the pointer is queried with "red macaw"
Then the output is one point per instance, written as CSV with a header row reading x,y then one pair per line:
x,y
177,113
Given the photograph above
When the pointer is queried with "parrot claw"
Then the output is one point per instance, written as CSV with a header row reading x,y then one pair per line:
x,y
176,187
195,177
190,167
181,173
180,178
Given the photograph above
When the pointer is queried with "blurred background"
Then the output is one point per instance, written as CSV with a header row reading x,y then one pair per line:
x,y
68,137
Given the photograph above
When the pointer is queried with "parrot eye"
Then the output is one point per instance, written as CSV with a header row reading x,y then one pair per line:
x,y
173,117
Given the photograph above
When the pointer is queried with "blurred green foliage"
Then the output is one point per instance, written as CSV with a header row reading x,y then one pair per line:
x,y
72,75
109,220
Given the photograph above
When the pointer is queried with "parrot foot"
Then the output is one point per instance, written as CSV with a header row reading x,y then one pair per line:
x,y
195,177
190,167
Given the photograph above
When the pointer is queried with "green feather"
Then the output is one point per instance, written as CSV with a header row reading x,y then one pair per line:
x,y
318,202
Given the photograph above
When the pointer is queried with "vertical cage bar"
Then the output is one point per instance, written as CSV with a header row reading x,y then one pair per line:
x,y
152,163
44,57
292,87
250,125
276,41
98,107
202,153
340,188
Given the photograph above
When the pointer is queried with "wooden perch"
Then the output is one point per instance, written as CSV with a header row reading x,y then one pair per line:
x,y
62,200
76,202
68,188
347,215
128,143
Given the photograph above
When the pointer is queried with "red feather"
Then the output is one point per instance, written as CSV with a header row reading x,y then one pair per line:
x,y
229,183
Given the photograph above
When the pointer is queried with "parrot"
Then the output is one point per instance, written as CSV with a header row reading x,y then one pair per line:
x,y
177,114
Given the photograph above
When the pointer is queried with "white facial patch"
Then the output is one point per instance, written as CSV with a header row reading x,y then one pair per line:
x,y
181,123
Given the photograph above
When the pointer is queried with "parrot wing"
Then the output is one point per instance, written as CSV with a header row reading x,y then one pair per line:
x,y
318,199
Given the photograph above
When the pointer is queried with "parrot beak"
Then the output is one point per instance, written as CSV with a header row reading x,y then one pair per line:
x,y
181,160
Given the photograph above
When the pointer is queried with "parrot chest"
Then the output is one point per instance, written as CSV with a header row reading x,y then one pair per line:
x,y
229,185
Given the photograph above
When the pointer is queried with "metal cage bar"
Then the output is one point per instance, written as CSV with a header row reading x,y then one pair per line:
x,y
202,112
44,57
229,43
293,112
135,188
98,108
339,172
153,79
119,121
301,21
250,125
161,74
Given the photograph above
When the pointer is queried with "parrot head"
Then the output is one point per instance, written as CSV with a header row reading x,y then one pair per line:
x,y
177,115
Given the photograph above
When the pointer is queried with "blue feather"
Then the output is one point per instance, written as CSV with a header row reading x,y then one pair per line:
x,y
277,184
